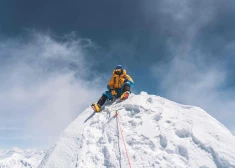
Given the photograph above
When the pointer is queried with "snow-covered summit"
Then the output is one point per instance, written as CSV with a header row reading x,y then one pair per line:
x,y
158,133
18,158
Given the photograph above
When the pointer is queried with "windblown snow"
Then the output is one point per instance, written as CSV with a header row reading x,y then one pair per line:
x,y
17,158
158,134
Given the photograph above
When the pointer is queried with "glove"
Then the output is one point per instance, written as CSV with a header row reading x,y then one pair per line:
x,y
113,92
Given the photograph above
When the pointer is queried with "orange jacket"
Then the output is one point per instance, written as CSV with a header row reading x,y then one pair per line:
x,y
117,81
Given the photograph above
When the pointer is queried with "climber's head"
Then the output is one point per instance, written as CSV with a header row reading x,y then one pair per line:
x,y
119,70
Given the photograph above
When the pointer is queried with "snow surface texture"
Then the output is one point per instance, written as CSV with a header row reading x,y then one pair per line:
x,y
17,158
159,134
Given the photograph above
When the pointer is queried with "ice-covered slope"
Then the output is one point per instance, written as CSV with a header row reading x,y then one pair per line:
x,y
17,158
158,133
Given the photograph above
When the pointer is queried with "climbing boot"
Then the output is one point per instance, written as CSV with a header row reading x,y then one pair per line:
x,y
96,107
124,96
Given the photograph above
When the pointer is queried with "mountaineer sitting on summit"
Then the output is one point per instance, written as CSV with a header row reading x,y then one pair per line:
x,y
119,86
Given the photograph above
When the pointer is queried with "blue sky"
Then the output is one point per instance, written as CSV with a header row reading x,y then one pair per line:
x,y
56,58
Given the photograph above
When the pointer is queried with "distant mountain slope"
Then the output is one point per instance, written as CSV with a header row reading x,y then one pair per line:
x,y
17,158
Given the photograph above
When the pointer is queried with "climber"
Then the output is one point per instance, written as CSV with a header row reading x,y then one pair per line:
x,y
119,86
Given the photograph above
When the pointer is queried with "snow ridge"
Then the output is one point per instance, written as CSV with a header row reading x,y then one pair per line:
x,y
158,133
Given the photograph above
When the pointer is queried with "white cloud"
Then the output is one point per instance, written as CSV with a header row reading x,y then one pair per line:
x,y
188,78
187,82
44,85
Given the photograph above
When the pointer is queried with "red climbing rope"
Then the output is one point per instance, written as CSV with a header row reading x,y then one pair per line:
x,y
123,139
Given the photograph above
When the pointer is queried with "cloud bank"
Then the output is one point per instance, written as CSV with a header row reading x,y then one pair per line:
x,y
45,83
